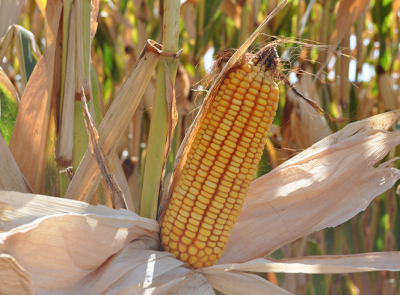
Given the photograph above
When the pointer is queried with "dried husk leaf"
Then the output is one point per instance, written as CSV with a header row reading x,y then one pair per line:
x,y
9,14
333,264
347,14
11,178
322,187
117,197
29,140
236,283
69,246
306,126
172,120
115,122
233,11
387,94
194,283
121,179
76,248
18,280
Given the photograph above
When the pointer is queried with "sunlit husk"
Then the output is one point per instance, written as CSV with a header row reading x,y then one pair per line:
x,y
323,186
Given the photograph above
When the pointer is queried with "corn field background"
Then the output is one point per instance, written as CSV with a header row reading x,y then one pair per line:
x,y
342,54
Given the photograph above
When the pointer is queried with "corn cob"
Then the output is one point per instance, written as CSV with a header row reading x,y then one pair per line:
x,y
221,163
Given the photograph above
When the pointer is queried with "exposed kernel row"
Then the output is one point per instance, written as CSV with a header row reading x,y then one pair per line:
x,y
220,166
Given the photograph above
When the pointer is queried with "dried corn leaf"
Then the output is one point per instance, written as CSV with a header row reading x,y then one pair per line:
x,y
387,93
94,14
115,122
334,264
122,181
233,11
235,283
18,280
172,120
85,249
322,187
29,140
11,178
348,12
9,14
306,126
117,197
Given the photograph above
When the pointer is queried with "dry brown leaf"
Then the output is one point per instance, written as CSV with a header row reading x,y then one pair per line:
x,y
115,122
348,12
121,180
303,195
233,11
94,15
329,264
11,178
172,120
76,248
387,93
189,20
29,140
9,14
117,197
305,126
18,280
235,283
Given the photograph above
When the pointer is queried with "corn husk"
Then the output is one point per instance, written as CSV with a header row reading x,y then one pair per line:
x,y
325,185
29,140
76,248
11,178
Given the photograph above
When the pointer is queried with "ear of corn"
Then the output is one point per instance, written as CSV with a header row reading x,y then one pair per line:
x,y
221,163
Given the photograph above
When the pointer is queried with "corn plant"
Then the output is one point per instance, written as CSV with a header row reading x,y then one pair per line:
x,y
140,153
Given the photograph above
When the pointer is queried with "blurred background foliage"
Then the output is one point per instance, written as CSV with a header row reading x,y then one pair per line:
x,y
342,54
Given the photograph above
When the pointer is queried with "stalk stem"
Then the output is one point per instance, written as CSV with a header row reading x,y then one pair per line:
x,y
159,119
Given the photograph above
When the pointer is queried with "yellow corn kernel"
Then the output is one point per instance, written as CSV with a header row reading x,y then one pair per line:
x,y
220,165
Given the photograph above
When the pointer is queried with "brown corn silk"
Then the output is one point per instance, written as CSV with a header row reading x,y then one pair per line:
x,y
221,162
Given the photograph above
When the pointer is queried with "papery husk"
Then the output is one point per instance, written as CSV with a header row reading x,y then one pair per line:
x,y
29,140
183,151
328,264
76,248
323,186
115,122
237,283
11,178
9,14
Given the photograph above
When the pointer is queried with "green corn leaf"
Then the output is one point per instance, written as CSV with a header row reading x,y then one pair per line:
x,y
27,50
